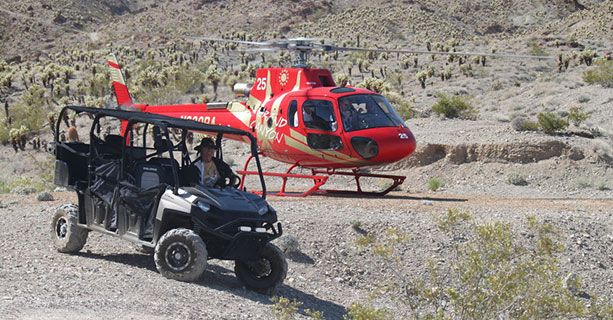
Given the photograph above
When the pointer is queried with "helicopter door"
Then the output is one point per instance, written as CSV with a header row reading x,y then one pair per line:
x,y
321,125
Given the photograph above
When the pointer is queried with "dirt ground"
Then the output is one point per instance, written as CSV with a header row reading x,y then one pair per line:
x,y
108,279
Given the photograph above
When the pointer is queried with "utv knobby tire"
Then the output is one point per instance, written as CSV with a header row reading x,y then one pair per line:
x,y
67,236
180,254
263,275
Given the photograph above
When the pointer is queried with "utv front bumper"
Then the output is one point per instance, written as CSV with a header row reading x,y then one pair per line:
x,y
240,239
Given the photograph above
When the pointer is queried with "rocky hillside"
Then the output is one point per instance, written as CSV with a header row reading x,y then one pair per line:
x,y
33,27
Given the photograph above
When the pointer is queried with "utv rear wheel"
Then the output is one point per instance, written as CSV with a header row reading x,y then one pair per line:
x,y
180,254
67,236
264,274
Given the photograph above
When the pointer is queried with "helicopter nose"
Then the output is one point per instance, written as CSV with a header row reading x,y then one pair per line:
x,y
384,145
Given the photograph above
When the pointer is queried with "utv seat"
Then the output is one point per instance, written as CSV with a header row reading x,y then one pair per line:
x,y
155,172
112,146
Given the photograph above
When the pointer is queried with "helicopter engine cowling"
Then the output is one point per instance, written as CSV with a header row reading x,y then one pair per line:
x,y
242,89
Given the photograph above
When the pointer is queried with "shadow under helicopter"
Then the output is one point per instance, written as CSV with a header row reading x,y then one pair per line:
x,y
390,196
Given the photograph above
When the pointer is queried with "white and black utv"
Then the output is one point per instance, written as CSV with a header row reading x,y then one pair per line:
x,y
135,191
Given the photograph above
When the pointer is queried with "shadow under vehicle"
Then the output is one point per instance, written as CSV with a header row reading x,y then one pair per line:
x,y
138,192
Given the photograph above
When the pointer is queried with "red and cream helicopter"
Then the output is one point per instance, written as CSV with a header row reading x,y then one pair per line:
x,y
301,117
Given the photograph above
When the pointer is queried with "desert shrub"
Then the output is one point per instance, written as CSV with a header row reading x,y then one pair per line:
x,y
601,73
576,115
31,112
497,85
536,49
284,308
314,314
454,107
523,124
188,80
494,272
364,312
22,184
550,122
516,179
584,183
583,99
434,184
451,219
602,186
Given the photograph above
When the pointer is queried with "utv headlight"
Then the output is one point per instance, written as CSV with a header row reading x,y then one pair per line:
x,y
203,206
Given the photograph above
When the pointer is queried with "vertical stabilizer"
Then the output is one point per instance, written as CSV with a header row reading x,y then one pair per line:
x,y
119,82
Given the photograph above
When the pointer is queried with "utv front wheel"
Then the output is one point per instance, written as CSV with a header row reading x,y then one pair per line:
x,y
180,254
67,236
265,273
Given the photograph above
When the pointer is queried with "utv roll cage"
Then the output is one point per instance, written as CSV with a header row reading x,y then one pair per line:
x,y
77,172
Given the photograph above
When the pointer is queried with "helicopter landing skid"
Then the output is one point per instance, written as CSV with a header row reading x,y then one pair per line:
x,y
396,181
318,181
320,177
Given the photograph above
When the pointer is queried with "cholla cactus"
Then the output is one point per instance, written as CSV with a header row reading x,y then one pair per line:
x,y
447,72
563,62
51,121
96,102
21,136
341,79
422,76
374,84
34,97
587,57
213,75
405,62
430,71
467,70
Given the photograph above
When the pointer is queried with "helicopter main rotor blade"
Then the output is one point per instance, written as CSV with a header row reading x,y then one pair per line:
x,y
501,55
254,43
306,45
261,49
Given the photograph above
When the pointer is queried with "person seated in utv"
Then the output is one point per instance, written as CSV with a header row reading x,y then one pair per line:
x,y
209,171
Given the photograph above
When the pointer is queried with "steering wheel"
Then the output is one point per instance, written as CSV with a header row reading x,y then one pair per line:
x,y
233,181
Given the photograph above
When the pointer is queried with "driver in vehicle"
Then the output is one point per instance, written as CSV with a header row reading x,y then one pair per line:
x,y
208,170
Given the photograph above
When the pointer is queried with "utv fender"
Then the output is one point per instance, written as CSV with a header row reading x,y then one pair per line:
x,y
171,219
181,202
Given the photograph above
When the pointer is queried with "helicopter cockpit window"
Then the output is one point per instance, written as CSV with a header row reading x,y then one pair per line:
x,y
319,115
363,111
292,114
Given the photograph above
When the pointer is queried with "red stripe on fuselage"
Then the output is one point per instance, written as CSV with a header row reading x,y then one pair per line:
x,y
113,64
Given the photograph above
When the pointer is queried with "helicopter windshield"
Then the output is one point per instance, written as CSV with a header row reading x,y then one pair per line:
x,y
363,111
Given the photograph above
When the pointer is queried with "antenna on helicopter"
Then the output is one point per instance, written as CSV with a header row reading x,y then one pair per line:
x,y
304,46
